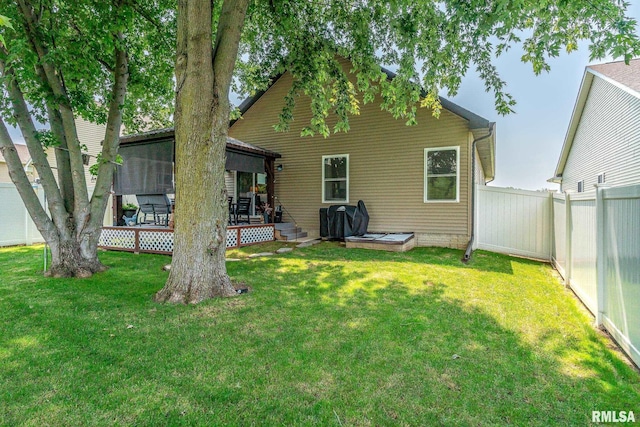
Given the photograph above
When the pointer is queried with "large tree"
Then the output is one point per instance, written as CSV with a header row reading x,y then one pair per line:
x,y
433,44
60,60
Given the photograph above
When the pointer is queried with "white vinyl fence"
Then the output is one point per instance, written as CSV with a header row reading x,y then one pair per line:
x,y
593,239
16,226
601,258
517,222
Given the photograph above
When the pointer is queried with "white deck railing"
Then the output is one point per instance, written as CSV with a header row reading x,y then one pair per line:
x,y
159,240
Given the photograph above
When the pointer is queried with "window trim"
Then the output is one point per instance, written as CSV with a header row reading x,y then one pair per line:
x,y
581,186
602,178
426,176
333,156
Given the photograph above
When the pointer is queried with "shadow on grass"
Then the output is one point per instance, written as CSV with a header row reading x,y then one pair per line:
x,y
481,260
318,341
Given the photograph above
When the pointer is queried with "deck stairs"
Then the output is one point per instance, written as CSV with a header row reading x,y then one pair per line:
x,y
288,231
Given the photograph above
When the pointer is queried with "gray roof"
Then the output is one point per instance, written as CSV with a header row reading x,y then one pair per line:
x,y
169,133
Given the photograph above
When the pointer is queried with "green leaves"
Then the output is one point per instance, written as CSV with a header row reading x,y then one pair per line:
x,y
432,44
4,22
80,40
93,169
47,139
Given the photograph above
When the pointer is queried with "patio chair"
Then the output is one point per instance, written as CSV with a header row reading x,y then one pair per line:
x,y
243,209
157,206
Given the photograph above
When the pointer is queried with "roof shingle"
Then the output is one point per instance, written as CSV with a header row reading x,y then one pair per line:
x,y
628,75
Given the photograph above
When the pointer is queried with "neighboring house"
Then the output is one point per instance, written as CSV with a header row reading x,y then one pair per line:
x,y
91,135
25,158
602,144
411,178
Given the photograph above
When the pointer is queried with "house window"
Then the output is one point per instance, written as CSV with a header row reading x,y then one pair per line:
x,y
335,178
601,178
442,174
581,186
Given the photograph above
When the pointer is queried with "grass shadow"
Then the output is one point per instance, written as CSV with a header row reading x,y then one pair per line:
x,y
360,340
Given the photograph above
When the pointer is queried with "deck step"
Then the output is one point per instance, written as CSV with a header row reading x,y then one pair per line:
x,y
293,235
284,225
289,231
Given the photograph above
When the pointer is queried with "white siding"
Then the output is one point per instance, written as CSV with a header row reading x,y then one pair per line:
x,y
607,139
91,135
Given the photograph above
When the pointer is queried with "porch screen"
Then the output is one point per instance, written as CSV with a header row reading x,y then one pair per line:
x,y
146,169
244,162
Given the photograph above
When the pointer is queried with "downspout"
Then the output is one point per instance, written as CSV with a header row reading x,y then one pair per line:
x,y
469,251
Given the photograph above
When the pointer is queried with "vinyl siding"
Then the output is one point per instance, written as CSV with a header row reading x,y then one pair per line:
x,y
607,139
91,135
386,164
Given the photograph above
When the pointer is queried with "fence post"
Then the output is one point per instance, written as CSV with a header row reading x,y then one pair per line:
x,y
27,228
567,233
600,252
552,231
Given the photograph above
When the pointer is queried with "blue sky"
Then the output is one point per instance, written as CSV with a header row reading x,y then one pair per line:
x,y
528,141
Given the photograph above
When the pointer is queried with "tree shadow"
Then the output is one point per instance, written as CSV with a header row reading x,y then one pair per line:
x,y
315,342
481,260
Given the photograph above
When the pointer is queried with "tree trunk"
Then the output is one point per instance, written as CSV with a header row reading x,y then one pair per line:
x,y
73,228
198,269
67,260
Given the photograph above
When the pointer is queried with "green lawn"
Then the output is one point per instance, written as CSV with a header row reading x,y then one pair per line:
x,y
328,336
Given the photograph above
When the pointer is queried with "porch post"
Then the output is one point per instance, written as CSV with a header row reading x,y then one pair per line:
x,y
117,209
271,179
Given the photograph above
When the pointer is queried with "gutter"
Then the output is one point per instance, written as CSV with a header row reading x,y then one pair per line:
x,y
469,250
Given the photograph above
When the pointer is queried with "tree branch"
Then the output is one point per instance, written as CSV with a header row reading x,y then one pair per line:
x,y
23,117
112,134
21,180
102,62
225,48
158,26
56,85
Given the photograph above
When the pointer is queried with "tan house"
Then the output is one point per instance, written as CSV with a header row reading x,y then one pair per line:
x,y
412,178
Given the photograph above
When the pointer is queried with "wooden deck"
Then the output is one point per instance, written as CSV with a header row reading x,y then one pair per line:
x,y
159,240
